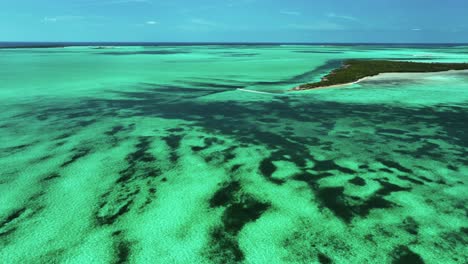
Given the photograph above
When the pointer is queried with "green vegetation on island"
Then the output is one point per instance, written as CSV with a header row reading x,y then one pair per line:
x,y
355,70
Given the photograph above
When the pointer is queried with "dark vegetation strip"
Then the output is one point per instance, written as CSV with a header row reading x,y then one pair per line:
x,y
123,196
78,154
16,214
354,70
403,254
155,52
122,248
240,209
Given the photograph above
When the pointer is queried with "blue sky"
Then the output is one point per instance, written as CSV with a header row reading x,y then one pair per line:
x,y
235,20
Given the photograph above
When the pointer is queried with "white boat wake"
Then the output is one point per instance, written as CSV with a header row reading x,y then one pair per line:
x,y
258,92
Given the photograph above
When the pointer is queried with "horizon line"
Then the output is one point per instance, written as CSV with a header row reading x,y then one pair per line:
x,y
255,42
58,44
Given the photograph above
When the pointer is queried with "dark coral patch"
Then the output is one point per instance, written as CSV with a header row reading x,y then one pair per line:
x,y
198,148
235,167
464,230
403,255
63,136
428,149
411,226
238,214
122,248
392,131
44,158
387,170
79,114
51,177
18,148
388,188
328,165
85,123
126,174
137,177
325,165
78,154
318,52
346,208
324,259
115,130
334,199
394,165
123,253
409,179
228,154
240,210
358,181
175,130
110,218
173,141
267,168
312,180
225,248
374,202
11,217
208,143
7,232
148,52
452,167
225,195
141,154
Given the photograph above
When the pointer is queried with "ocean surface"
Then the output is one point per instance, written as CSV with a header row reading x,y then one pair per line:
x,y
200,154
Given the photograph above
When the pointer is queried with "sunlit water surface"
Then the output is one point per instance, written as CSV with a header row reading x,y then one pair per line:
x,y
153,155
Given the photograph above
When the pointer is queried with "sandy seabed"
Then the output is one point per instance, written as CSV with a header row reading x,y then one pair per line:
x,y
144,155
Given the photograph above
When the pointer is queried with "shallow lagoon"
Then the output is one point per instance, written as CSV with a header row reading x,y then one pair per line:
x,y
151,154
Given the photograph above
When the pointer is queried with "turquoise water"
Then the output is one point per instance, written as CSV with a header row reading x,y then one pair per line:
x,y
154,155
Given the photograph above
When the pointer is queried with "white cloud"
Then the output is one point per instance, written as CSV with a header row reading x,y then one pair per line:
x,y
49,19
203,22
61,18
291,13
126,1
114,2
317,26
233,3
152,22
416,29
345,17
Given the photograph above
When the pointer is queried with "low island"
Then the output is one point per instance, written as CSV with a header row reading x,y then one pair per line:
x,y
355,70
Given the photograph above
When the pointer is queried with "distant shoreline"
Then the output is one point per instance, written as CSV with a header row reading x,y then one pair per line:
x,y
381,75
39,44
354,71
